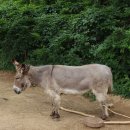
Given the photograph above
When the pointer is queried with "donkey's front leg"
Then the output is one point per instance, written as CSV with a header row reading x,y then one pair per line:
x,y
56,105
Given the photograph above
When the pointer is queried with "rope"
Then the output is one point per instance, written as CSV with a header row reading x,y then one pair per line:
x,y
83,114
76,112
117,113
117,122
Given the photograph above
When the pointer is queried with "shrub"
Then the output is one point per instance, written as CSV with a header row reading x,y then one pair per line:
x,y
115,52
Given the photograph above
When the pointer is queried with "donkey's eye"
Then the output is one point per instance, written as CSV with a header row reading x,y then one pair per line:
x,y
17,78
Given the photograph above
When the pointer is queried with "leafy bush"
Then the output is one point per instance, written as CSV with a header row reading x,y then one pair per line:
x,y
115,52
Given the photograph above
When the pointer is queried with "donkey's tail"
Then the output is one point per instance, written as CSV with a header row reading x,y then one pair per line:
x,y
110,87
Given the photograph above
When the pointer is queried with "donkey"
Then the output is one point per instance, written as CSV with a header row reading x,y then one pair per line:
x,y
62,79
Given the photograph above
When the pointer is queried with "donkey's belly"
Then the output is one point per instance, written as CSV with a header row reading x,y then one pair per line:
x,y
73,91
75,88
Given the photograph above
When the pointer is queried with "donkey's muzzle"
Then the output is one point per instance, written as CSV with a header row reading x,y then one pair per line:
x,y
17,92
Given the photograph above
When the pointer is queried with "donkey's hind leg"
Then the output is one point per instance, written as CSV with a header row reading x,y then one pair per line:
x,y
102,99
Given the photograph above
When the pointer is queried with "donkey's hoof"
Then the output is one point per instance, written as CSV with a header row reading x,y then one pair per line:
x,y
104,117
52,114
56,116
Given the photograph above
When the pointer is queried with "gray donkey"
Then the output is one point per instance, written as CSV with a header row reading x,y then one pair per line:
x,y
62,79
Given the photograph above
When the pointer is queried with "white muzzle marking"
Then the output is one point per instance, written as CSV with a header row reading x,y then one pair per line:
x,y
17,89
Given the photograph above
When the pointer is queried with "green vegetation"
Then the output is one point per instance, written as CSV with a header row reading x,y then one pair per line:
x,y
71,32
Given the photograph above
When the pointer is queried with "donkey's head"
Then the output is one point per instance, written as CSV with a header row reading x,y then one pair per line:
x,y
21,80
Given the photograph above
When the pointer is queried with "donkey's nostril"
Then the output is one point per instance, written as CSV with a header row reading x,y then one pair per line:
x,y
17,92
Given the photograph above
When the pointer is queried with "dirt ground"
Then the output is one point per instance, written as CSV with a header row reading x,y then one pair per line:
x,y
31,109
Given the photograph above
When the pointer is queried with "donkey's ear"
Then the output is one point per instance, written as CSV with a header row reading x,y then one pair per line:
x,y
16,63
24,68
